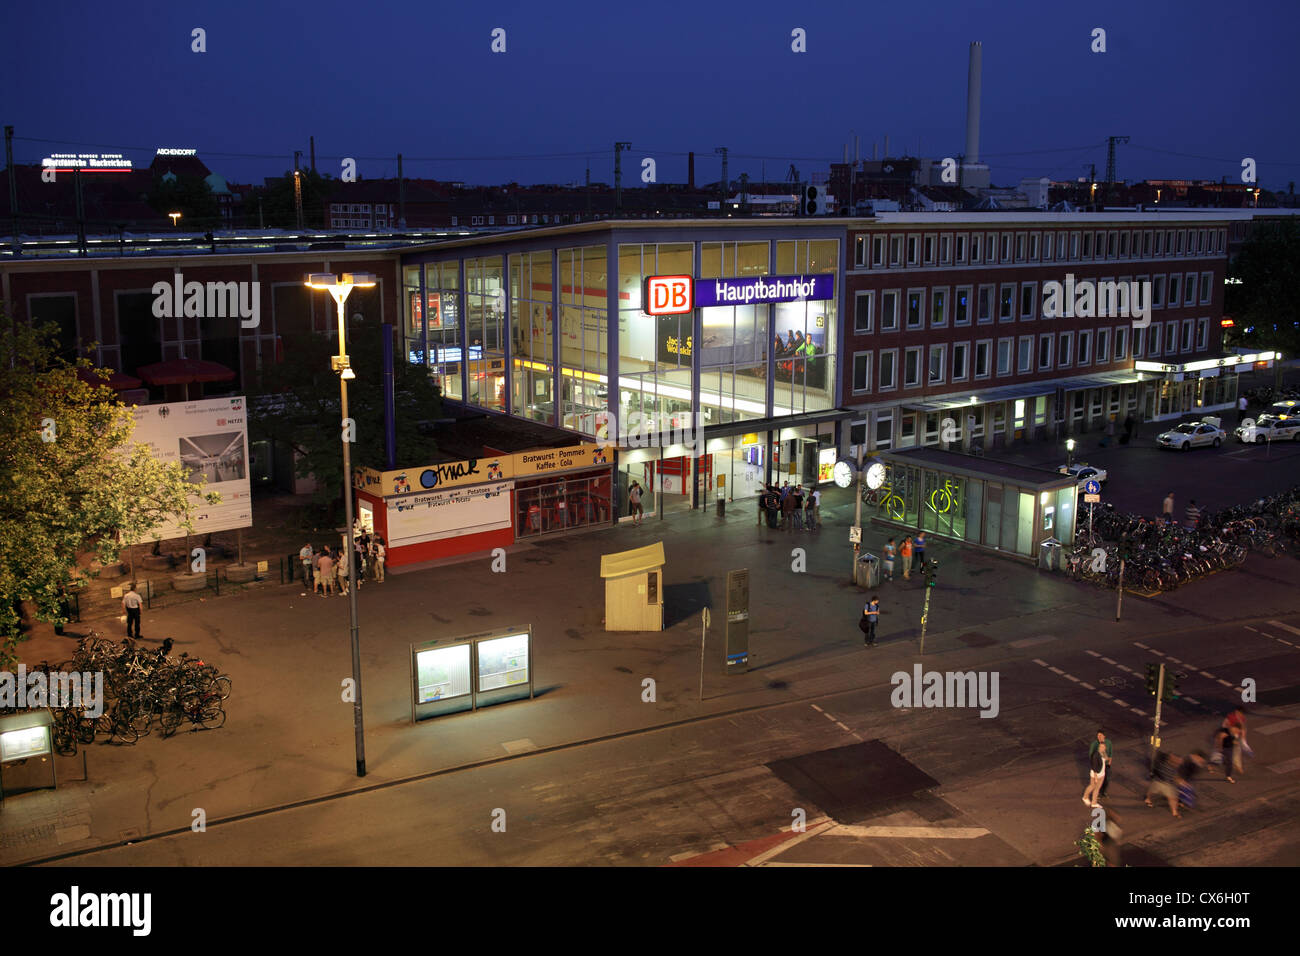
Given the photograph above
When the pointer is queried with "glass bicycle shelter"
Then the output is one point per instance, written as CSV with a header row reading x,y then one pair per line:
x,y
993,505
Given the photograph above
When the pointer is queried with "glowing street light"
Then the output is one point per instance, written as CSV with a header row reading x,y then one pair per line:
x,y
174,216
1069,447
339,289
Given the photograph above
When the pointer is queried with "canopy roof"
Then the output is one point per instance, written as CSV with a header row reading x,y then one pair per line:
x,y
622,563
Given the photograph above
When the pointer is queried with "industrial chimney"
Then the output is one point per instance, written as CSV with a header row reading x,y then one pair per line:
x,y
973,80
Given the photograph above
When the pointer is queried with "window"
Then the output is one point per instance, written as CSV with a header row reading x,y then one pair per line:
x,y
1186,345
1191,289
454,221
960,351
1004,356
1007,304
1173,290
1171,338
1121,343
1153,339
1123,245
975,249
961,306
895,250
1146,243
492,220
1065,353
1158,293
1074,245
913,250
961,250
938,308
985,314
512,220
1020,247
1025,356
861,371
1178,243
1202,334
945,250
1103,346
889,311
912,367
929,250
1006,247
982,351
1033,247
1207,287
1028,294
877,250
915,307
1045,351
1087,245
1169,241
860,251
862,302
1085,347
1099,246
1137,342
938,357
888,369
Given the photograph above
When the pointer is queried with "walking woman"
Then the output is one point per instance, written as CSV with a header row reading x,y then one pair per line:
x,y
1096,775
905,552
888,560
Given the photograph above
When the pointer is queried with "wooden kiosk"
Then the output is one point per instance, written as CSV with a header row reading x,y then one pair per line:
x,y
634,589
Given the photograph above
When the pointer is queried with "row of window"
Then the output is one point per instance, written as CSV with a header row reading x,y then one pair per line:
x,y
518,220
336,223
380,208
1016,356
976,248
1108,299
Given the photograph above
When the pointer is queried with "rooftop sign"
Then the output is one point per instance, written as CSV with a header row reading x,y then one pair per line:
x,y
755,290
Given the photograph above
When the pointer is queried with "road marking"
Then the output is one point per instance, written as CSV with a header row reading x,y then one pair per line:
x,y
1084,683
1140,713
1286,766
1031,641
1157,653
1106,695
1120,702
1141,645
841,726
1209,675
1223,682
1249,628
1192,700
1056,670
1278,727
1286,627
910,833
1108,660
519,746
820,825
1073,678
1174,659
1128,669
1040,662
779,863
816,708
1092,653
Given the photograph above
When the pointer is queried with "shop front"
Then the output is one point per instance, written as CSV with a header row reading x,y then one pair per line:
x,y
463,507
997,506
1197,388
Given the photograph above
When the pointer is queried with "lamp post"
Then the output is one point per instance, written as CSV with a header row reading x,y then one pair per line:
x,y
1069,448
174,216
339,289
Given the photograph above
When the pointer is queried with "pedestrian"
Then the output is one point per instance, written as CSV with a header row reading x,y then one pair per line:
x,y
773,507
1110,432
784,496
634,502
817,507
1096,774
1129,424
787,509
1226,743
381,555
1167,511
1192,764
870,618
341,573
905,552
357,571
797,511
918,547
1102,741
1235,723
810,511
305,556
317,584
131,602
1163,782
888,560
1242,405
1191,516
327,573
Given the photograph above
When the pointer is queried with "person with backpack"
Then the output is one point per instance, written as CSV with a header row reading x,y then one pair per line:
x,y
870,618
634,502
1163,778
796,510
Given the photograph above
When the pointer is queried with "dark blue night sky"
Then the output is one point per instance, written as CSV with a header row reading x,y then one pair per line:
x,y
1197,85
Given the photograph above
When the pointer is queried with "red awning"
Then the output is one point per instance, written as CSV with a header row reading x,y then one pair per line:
x,y
117,381
184,371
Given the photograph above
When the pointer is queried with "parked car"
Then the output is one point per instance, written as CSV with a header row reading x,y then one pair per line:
x,y
1191,435
1084,472
1269,428
1290,408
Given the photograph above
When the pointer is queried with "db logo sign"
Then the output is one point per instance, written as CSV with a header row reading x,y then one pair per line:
x,y
668,295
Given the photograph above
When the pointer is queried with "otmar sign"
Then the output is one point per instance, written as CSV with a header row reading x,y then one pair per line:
x,y
473,471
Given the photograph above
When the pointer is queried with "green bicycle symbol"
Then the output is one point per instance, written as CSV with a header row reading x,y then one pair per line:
x,y
944,498
885,499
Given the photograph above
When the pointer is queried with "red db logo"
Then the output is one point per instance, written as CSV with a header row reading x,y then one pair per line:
x,y
668,295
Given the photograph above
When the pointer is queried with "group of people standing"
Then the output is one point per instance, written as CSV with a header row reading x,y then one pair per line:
x,y
911,551
327,568
790,507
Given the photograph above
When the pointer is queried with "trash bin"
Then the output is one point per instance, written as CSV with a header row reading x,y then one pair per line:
x,y
868,575
1049,555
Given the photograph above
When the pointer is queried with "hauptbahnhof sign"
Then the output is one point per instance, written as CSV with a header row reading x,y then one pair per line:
x,y
675,295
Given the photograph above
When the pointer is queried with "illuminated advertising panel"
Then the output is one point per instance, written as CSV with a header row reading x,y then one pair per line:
x,y
667,295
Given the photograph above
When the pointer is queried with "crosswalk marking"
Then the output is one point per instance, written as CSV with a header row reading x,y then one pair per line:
x,y
1286,627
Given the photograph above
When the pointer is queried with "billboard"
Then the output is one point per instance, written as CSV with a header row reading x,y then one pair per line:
x,y
209,439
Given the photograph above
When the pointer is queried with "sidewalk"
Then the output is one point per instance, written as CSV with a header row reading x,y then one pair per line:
x,y
289,735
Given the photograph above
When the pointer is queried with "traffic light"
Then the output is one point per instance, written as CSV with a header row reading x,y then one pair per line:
x,y
808,201
1171,684
931,574
1153,679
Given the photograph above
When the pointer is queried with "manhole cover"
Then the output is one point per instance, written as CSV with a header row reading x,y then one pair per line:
x,y
975,639
855,782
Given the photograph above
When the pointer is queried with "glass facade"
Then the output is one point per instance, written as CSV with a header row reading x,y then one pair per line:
x,y
547,505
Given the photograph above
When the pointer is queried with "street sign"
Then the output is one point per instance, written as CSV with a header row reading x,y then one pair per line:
x,y
855,536
1092,487
1091,499
737,621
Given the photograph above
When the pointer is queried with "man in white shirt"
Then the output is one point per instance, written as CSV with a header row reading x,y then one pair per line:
x,y
381,553
1241,408
817,508
131,603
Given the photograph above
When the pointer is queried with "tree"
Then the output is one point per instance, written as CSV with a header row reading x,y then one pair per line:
x,y
278,200
188,195
1263,305
73,480
297,403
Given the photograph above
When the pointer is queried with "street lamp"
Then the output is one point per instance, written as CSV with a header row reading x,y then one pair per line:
x,y
339,289
174,216
1069,447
